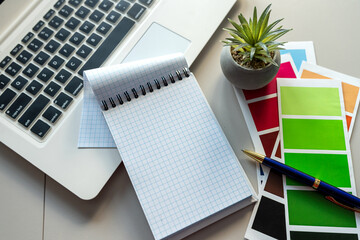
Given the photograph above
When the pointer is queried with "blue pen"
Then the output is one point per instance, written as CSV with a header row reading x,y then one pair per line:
x,y
330,192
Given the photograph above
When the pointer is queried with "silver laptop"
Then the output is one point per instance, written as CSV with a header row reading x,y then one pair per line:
x,y
46,45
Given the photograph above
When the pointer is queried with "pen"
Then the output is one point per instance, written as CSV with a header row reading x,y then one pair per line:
x,y
330,192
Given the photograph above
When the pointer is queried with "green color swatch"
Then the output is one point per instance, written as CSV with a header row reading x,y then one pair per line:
x,y
317,134
330,168
322,235
314,101
310,208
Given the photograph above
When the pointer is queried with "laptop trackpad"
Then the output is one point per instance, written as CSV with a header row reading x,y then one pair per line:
x,y
157,41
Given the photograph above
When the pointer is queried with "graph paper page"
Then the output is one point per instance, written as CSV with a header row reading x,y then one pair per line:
x,y
94,132
178,159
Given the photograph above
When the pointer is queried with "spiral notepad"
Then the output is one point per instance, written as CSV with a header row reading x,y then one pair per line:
x,y
180,163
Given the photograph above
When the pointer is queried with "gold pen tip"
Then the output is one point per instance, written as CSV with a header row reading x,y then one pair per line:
x,y
256,156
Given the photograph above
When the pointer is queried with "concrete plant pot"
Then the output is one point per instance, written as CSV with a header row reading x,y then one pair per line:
x,y
247,78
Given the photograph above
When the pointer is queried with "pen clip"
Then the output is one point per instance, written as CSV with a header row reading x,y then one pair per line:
x,y
332,199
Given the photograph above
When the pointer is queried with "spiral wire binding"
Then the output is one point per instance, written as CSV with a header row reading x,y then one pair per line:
x,y
143,90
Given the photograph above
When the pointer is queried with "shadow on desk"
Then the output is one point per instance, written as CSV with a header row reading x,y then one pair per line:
x,y
22,197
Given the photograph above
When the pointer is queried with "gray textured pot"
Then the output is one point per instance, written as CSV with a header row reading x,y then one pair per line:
x,y
246,78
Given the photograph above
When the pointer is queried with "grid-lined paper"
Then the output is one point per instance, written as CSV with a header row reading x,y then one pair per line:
x,y
178,159
94,132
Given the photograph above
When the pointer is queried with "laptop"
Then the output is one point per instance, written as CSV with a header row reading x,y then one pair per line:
x,y
46,45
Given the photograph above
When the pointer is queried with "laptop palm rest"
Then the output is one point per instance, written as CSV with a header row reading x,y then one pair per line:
x,y
157,41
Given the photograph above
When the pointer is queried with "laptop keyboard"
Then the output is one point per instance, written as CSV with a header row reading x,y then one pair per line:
x,y
42,75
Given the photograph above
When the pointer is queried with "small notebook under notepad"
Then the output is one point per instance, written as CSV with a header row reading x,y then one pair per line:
x,y
179,161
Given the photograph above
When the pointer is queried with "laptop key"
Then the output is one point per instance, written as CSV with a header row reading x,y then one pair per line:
x,y
66,11
72,23
84,51
49,14
108,45
77,38
34,110
45,33
35,44
5,62
62,34
122,6
6,97
34,87
94,39
103,28
18,105
74,86
16,50
59,3
41,58
40,128
82,12
4,80
63,100
66,50
56,62
19,82
38,26
75,3
146,2
13,69
52,114
105,5
56,22
86,27
45,75
52,89
30,70
63,76
52,46
96,16
73,63
91,3
136,11
24,57
113,16
27,37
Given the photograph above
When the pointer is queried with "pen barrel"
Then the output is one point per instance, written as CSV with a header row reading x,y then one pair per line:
x,y
324,188
289,171
339,195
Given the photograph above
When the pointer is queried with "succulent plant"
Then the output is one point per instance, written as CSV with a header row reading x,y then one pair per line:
x,y
253,43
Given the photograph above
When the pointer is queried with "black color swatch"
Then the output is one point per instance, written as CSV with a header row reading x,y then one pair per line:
x,y
270,218
317,236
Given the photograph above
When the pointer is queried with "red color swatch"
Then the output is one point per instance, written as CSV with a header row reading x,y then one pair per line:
x,y
278,151
285,71
268,141
265,113
348,121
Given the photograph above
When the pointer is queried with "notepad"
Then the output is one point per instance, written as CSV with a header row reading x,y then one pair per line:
x,y
179,161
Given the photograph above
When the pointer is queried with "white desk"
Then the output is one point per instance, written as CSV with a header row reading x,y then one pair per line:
x,y
34,208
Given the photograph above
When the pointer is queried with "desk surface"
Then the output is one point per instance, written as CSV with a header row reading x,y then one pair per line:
x,y
35,207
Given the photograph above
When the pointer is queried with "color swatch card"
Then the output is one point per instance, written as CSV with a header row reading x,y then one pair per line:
x,y
314,139
272,194
260,110
302,51
182,167
350,86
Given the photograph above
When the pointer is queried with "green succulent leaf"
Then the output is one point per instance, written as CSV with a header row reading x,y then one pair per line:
x,y
255,39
